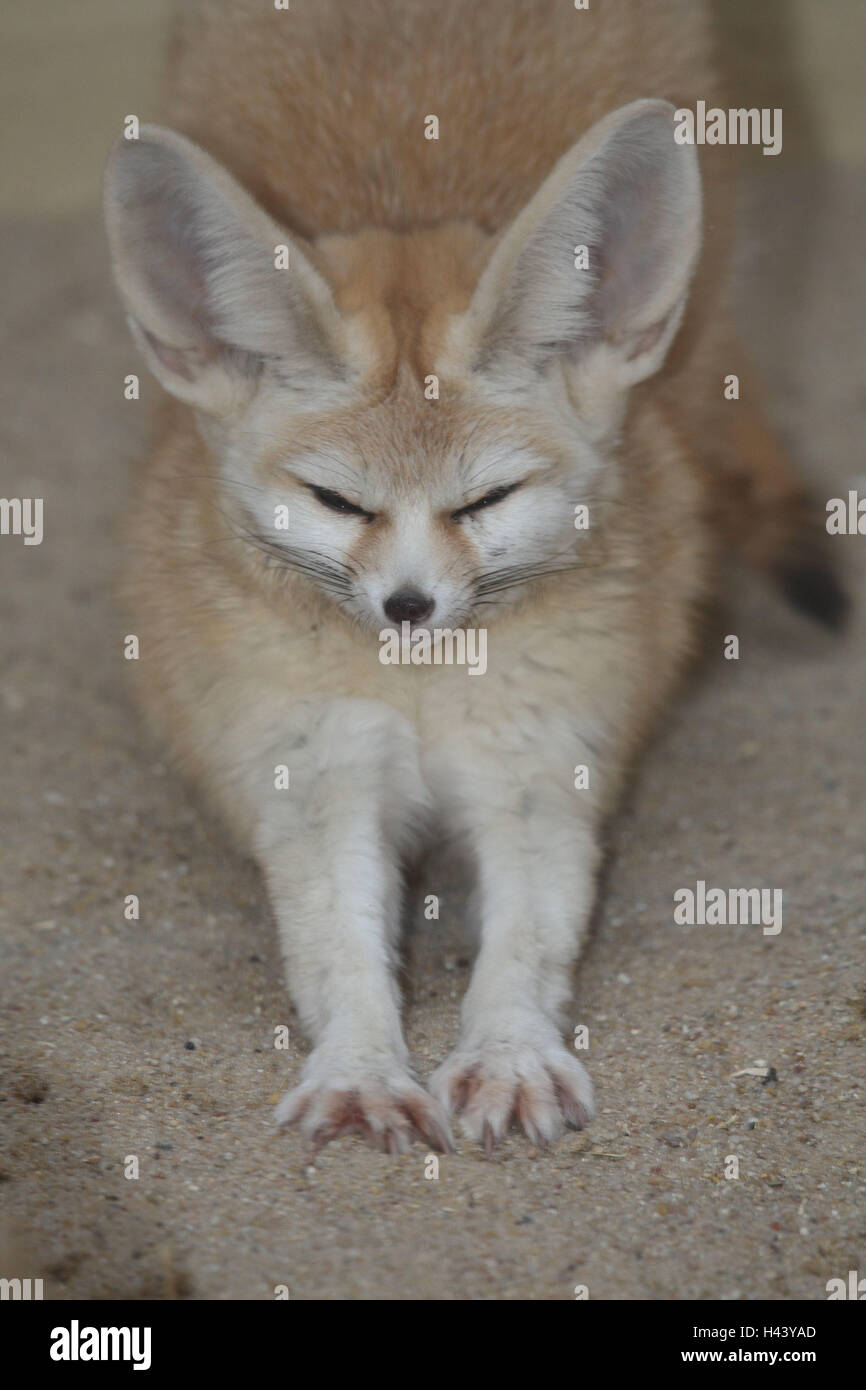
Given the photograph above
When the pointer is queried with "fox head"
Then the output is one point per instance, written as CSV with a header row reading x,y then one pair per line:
x,y
410,420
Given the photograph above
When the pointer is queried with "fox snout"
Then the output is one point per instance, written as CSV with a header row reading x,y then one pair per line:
x,y
409,606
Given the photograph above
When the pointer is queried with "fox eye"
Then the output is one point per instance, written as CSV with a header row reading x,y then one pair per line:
x,y
336,503
488,500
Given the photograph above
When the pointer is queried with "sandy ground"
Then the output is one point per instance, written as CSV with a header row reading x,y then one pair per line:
x,y
155,1038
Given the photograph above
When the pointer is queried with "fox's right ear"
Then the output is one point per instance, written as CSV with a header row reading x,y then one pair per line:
x,y
195,260
596,268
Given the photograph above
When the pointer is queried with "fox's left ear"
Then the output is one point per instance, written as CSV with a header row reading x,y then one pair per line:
x,y
597,266
197,263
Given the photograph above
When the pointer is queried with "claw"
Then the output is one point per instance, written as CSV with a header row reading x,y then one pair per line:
x,y
386,1113
538,1085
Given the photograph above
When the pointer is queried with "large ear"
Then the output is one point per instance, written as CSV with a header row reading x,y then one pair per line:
x,y
628,194
196,263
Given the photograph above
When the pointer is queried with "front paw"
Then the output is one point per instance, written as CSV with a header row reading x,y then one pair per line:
x,y
531,1079
380,1102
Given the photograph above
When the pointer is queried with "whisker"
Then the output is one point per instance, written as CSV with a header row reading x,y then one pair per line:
x,y
334,575
496,581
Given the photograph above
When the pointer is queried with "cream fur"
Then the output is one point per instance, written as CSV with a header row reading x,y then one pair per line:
x,y
410,258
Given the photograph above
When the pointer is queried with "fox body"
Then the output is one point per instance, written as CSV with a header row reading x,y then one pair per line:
x,y
454,382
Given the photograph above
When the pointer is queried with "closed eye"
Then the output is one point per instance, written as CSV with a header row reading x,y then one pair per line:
x,y
488,500
335,502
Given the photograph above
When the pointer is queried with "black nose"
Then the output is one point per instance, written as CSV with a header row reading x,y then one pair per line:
x,y
408,606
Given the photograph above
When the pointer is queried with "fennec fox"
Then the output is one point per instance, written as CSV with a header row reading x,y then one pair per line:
x,y
438,349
